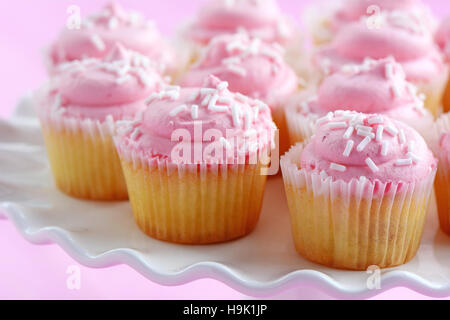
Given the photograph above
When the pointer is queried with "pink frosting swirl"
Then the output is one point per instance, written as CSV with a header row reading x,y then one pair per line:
x,y
348,145
442,38
99,33
260,18
239,124
400,35
94,89
352,10
250,66
377,86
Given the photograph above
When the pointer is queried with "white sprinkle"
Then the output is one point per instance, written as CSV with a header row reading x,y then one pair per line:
x,y
136,133
98,42
391,130
194,96
337,167
241,97
152,98
235,115
231,60
363,144
404,162
348,148
225,142
372,165
384,148
173,95
218,108
255,112
237,70
113,23
328,117
336,125
177,110
205,100
222,85
411,146
170,88
349,132
364,133
194,111
213,101
225,100
204,91
143,78
389,72
364,128
123,79
402,137
396,91
376,120
380,130
413,156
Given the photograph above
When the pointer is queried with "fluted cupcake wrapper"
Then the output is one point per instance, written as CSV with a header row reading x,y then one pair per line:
x,y
356,224
442,183
300,127
83,157
193,204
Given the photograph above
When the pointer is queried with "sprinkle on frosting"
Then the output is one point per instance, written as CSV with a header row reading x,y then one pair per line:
x,y
402,156
248,65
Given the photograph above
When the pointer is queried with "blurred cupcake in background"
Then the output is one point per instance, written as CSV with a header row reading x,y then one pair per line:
x,y
400,35
443,40
252,68
440,142
194,163
355,200
376,86
325,18
258,18
99,32
79,111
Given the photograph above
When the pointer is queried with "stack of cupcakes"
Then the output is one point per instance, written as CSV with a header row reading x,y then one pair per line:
x,y
188,134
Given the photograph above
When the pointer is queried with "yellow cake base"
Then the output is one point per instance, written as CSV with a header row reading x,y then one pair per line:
x,y
85,166
339,233
195,208
279,117
442,191
434,93
446,98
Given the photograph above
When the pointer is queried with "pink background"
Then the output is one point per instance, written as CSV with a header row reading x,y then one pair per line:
x,y
39,272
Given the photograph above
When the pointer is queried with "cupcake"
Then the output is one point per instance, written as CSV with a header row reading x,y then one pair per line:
x,y
358,198
195,164
401,36
443,40
100,32
262,19
376,86
251,67
79,110
440,143
326,18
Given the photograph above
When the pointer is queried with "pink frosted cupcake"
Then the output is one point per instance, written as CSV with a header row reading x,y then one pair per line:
x,y
194,164
401,36
262,19
326,18
376,86
443,40
358,200
100,32
251,67
79,110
